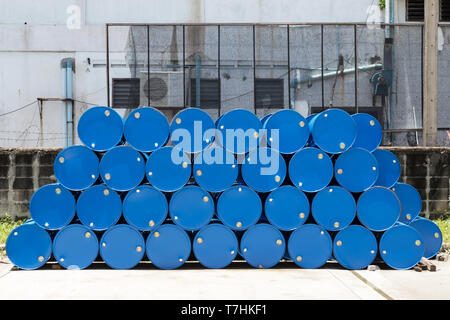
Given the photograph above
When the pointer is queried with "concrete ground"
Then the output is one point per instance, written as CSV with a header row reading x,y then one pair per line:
x,y
238,281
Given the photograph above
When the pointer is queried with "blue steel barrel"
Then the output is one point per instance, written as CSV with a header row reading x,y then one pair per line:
x,y
262,246
410,200
166,173
215,169
265,118
369,132
100,128
310,246
52,207
333,130
293,131
215,246
334,208
75,247
401,247
378,208
355,247
191,208
28,246
388,168
239,207
199,126
264,169
431,234
122,168
247,126
310,170
287,208
356,170
145,208
146,129
168,246
122,247
76,168
99,207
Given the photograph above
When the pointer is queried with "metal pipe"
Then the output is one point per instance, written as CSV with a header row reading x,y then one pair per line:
x,y
197,81
69,111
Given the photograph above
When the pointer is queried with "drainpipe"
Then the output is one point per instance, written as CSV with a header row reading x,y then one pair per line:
x,y
67,71
197,81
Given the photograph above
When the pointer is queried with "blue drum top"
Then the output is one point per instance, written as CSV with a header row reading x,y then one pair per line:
x,y
145,208
293,131
431,234
168,246
264,169
168,169
52,206
146,129
410,200
99,207
100,128
76,168
75,247
369,132
215,246
238,131
262,246
356,170
388,168
122,168
197,130
287,208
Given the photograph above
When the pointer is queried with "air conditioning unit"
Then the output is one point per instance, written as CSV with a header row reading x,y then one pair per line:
x,y
166,89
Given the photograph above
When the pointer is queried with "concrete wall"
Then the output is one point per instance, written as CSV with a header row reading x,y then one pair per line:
x,y
23,171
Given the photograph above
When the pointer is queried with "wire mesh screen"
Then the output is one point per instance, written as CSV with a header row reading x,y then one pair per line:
x,y
443,86
357,67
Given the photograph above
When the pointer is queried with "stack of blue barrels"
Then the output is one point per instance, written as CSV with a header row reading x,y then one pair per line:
x,y
327,193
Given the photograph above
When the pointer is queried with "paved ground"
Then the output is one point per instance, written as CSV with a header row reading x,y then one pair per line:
x,y
238,281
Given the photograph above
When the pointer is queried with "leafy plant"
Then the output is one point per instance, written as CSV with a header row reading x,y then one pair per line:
x,y
382,4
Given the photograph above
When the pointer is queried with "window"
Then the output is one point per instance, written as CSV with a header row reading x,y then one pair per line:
x,y
125,93
209,93
415,10
269,93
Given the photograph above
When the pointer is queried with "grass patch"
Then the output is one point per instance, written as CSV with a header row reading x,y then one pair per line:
x,y
7,224
444,225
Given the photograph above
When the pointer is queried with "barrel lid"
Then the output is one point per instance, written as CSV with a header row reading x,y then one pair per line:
x,y
191,208
356,169
146,129
293,131
239,207
99,207
431,234
310,170
265,118
410,200
334,208
145,208
28,246
369,132
287,208
378,208
168,246
166,173
388,168
242,120
122,168
100,128
122,247
76,168
333,130
264,169
401,247
52,206
355,247
215,246
186,119
310,246
75,247
262,246
215,169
